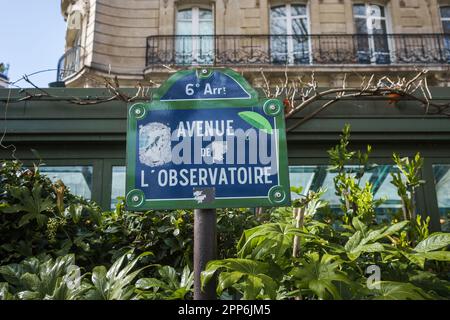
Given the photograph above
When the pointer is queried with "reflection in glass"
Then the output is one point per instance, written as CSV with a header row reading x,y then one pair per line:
x,y
118,184
289,29
371,34
445,18
194,43
77,178
442,181
315,177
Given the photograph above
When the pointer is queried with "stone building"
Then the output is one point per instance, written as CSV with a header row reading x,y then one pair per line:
x,y
140,40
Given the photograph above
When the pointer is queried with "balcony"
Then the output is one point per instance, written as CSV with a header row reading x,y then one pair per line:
x,y
69,64
299,50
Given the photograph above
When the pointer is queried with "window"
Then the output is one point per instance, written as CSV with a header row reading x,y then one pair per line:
x,y
77,178
195,37
289,26
442,180
445,18
371,34
314,177
118,184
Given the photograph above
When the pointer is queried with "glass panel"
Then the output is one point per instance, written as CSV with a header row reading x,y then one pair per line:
x,y
184,15
77,178
300,26
205,44
314,177
205,14
278,12
195,48
298,10
183,41
376,11
445,12
278,26
359,9
381,44
442,180
446,26
361,26
118,184
362,41
289,49
278,43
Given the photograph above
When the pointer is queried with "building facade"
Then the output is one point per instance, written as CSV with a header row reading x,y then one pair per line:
x,y
140,40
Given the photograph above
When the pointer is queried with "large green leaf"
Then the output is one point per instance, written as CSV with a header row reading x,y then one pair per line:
x,y
4,292
319,275
46,278
271,239
431,283
435,241
248,276
115,283
30,202
435,255
365,240
390,290
168,285
256,120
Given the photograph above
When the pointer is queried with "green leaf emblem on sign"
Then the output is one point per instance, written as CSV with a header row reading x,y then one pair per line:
x,y
256,120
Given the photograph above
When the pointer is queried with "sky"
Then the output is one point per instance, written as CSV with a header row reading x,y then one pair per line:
x,y
32,37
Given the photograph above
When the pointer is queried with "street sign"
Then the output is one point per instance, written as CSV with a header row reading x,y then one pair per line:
x,y
206,140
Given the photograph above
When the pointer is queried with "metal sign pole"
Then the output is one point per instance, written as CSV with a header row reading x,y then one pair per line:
x,y
205,250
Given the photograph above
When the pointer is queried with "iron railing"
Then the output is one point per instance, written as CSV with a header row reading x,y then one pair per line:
x,y
69,63
222,50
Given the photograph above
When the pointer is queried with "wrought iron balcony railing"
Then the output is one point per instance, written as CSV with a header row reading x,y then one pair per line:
x,y
292,50
69,63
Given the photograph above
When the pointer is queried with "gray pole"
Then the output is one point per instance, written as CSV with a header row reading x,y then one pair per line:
x,y
205,249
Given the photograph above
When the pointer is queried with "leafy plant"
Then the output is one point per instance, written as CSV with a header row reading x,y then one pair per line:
x,y
336,248
319,276
168,285
43,279
247,277
115,283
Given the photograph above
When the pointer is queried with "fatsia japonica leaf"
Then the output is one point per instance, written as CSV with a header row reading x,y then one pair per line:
x,y
434,242
115,283
248,276
272,239
31,203
320,275
390,290
365,240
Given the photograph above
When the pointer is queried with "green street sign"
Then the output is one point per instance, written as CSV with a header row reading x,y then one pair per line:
x,y
206,140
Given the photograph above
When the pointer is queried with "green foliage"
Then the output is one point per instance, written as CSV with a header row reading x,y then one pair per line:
x,y
54,245
356,200
248,277
390,290
43,278
336,248
407,180
115,283
168,285
318,276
